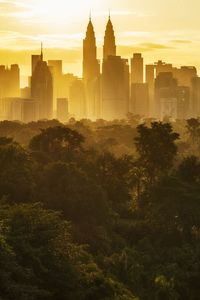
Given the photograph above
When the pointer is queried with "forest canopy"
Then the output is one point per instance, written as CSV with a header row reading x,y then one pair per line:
x,y
100,210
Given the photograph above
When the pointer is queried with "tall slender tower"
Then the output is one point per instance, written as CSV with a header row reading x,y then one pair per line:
x,y
91,66
109,48
91,73
42,87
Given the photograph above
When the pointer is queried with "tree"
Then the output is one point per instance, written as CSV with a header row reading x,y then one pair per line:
x,y
156,148
113,174
193,127
16,178
189,169
66,188
57,142
39,260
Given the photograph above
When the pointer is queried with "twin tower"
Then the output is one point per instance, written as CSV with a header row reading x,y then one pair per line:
x,y
91,65
103,90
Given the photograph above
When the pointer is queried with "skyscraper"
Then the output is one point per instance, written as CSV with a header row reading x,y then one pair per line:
x,y
137,65
35,58
183,102
62,109
115,88
55,67
166,95
109,48
91,72
9,81
139,102
77,99
42,88
162,67
150,79
196,97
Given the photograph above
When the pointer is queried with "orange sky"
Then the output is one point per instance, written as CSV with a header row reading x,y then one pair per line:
x,y
167,30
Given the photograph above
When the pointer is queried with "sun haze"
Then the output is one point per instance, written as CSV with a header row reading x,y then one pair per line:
x,y
156,28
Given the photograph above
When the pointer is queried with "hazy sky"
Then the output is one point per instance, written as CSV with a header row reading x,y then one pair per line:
x,y
168,30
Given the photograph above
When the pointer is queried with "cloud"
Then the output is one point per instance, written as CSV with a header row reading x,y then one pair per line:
x,y
128,50
120,13
20,41
181,41
137,34
155,46
14,9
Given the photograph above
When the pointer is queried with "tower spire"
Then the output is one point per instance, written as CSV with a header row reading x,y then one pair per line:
x,y
90,16
109,48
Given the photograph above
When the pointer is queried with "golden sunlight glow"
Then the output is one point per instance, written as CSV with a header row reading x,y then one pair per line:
x,y
59,10
156,28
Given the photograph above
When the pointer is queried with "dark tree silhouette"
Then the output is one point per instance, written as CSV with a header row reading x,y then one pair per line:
x,y
156,148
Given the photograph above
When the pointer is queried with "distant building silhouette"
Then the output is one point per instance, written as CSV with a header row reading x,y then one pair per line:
x,y
166,95
184,75
195,97
35,58
91,73
109,47
9,81
115,88
42,88
55,67
108,90
139,102
20,109
62,109
183,102
162,67
137,68
150,80
77,104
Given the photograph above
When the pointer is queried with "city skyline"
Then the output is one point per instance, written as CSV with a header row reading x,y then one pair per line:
x,y
157,30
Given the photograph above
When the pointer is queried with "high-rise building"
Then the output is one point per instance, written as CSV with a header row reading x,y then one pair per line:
x,y
91,72
166,95
55,67
196,97
77,107
150,80
25,92
109,47
67,80
30,111
19,109
62,109
42,88
115,88
184,75
162,67
9,81
137,68
35,58
183,102
139,102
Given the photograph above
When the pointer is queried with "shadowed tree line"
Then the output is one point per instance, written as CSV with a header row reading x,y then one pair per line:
x,y
100,210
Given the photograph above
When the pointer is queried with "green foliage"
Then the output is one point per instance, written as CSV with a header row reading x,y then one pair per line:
x,y
16,178
193,127
156,148
57,142
189,169
42,262
81,220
